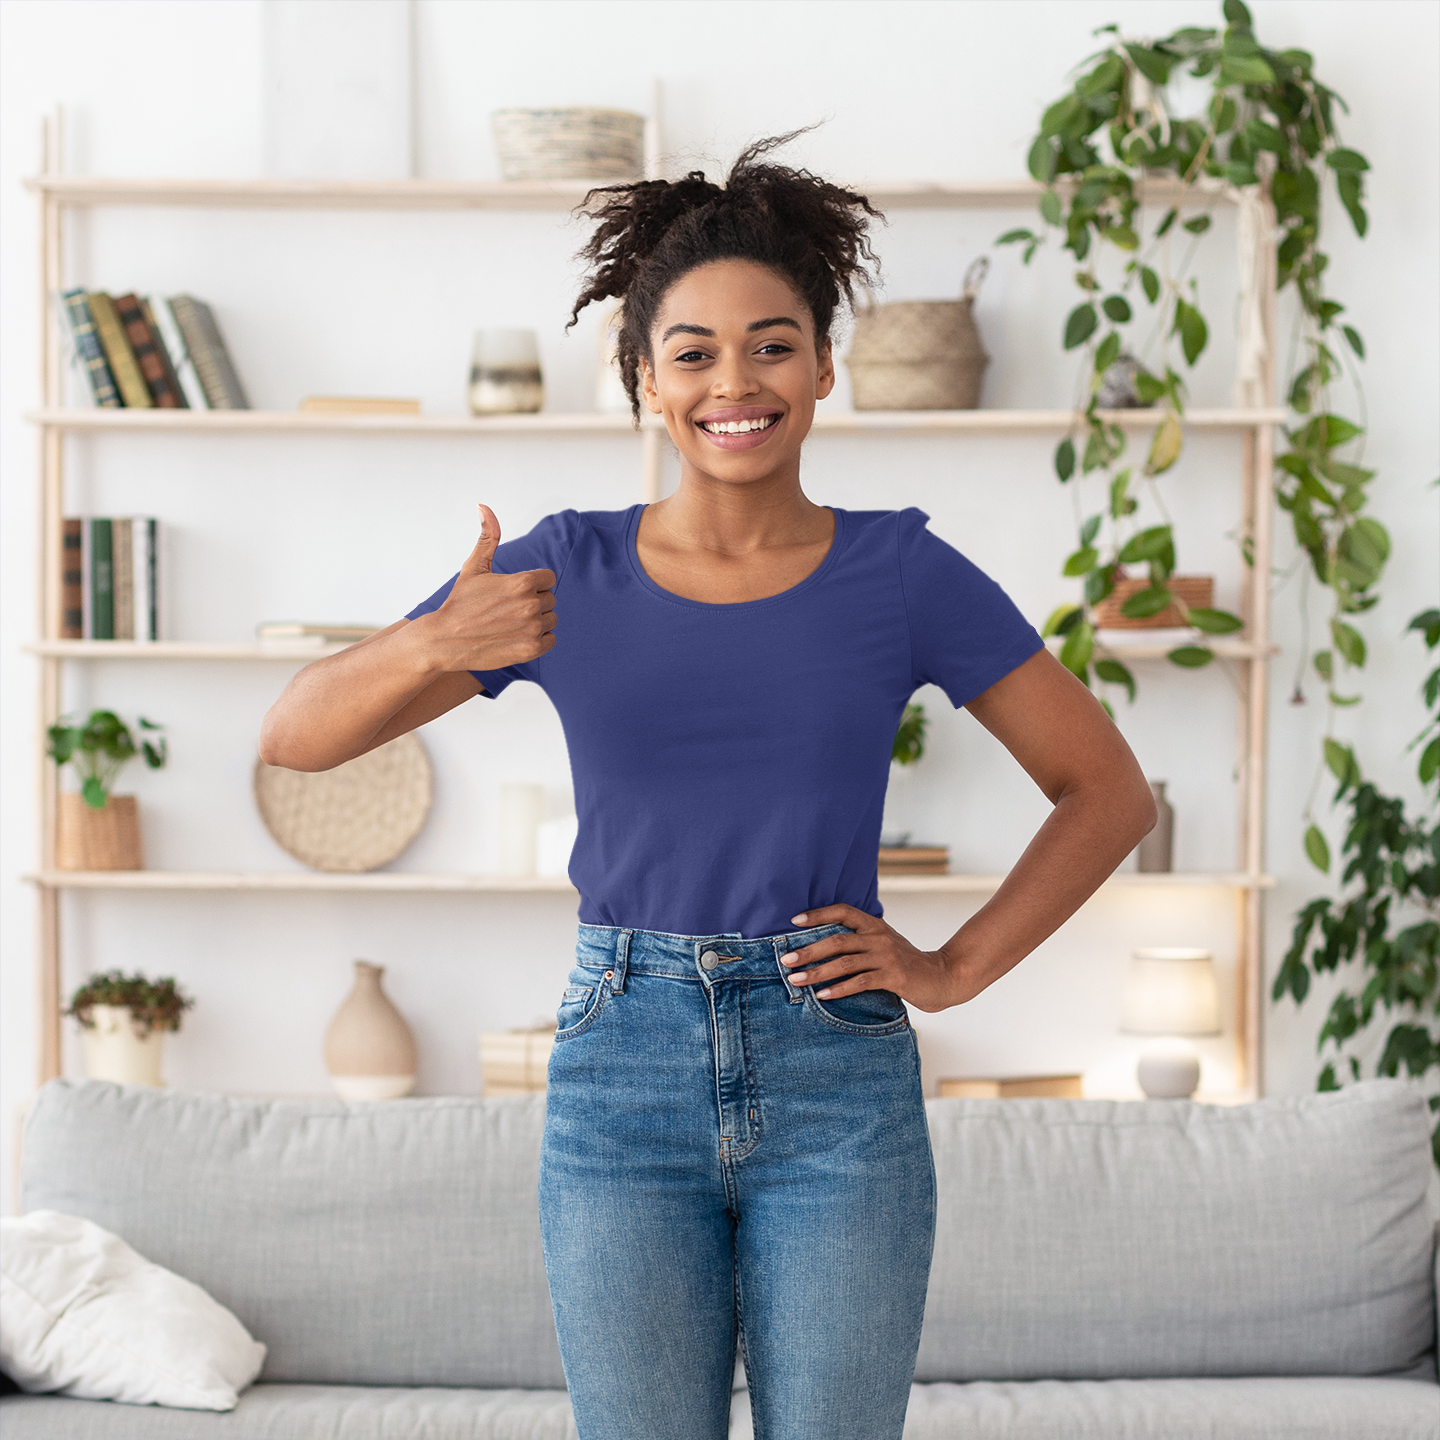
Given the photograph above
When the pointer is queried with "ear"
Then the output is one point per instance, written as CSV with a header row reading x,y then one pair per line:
x,y
648,392
825,373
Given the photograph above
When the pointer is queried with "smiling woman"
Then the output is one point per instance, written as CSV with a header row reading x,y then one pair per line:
x,y
735,1140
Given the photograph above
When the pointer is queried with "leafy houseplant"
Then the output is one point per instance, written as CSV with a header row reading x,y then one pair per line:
x,y
123,1023
909,743
1392,864
1269,129
907,747
100,748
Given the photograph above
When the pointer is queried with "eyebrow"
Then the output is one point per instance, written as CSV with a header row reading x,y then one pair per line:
x,y
749,329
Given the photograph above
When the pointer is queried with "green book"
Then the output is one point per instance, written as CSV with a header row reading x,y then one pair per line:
x,y
102,579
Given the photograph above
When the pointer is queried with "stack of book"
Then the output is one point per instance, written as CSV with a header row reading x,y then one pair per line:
x,y
152,353
514,1062
312,637
109,571
914,859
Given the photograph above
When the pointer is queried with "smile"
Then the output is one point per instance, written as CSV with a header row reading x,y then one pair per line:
x,y
737,427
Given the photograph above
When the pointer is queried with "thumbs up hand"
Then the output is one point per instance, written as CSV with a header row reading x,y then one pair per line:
x,y
489,621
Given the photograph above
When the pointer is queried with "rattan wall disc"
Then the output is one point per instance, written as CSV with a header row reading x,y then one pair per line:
x,y
357,816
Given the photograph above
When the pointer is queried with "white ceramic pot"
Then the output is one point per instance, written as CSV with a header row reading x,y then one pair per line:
x,y
369,1050
116,1050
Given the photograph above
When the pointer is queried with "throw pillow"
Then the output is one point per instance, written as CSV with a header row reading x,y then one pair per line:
x,y
82,1313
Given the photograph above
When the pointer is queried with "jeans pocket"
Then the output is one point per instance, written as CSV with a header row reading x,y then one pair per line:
x,y
579,1007
871,1012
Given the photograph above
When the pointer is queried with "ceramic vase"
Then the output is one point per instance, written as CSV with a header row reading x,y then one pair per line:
x,y
116,1049
1154,854
505,374
369,1050
105,839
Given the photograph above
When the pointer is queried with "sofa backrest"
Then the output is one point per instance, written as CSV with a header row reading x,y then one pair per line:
x,y
395,1243
1099,1239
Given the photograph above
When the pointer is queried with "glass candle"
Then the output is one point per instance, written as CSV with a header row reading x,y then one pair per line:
x,y
505,373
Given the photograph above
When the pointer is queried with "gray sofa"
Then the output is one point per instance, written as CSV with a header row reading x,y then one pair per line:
x,y
1101,1270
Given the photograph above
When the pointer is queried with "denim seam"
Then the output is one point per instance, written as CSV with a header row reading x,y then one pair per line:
x,y
894,1027
602,993
752,1090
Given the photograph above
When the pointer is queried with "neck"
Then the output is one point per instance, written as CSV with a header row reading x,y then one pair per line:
x,y
733,518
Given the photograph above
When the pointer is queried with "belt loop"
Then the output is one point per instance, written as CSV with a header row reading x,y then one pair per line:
x,y
621,962
796,995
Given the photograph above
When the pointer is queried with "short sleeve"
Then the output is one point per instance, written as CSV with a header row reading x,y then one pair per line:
x,y
548,545
965,631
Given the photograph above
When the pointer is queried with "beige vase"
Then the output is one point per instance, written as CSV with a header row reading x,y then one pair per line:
x,y
89,839
369,1050
115,1049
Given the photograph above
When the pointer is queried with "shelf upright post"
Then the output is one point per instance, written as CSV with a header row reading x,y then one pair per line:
x,y
652,455
52,493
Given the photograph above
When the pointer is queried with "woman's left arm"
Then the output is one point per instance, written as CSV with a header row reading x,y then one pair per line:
x,y
1073,751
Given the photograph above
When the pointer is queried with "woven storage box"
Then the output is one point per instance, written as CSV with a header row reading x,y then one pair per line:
x,y
574,143
919,354
1196,592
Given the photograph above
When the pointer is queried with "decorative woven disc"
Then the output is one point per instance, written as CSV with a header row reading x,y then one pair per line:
x,y
358,816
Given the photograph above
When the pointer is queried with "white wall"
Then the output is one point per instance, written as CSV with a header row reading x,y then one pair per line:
x,y
342,529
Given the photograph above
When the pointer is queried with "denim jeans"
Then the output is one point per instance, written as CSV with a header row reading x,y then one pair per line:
x,y
727,1157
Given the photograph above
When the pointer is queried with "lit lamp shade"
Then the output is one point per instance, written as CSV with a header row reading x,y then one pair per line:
x,y
1170,992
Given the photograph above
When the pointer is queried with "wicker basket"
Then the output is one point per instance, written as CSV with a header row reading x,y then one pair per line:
x,y
90,839
919,354
1195,592
574,143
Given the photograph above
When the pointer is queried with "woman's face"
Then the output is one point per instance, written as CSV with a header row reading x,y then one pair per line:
x,y
736,371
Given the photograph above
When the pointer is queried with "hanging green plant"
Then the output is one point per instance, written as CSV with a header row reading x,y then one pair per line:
x,y
1269,128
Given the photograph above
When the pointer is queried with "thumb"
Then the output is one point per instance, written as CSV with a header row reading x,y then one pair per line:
x,y
480,557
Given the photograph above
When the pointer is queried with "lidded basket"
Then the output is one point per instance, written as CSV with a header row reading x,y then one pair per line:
x,y
919,354
573,142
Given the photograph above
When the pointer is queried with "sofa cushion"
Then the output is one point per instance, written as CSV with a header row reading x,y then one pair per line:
x,y
1096,1239
395,1243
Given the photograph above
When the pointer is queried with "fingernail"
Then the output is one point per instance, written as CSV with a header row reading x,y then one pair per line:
x,y
798,979
823,994
797,919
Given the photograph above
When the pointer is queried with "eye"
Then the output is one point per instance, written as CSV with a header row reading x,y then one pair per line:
x,y
687,357
775,347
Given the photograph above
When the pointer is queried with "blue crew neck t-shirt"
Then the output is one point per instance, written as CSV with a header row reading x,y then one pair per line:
x,y
730,760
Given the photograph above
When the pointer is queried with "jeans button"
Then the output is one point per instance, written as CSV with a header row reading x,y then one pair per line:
x,y
709,960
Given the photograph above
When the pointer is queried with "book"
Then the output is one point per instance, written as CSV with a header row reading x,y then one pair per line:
x,y
91,353
216,370
102,580
293,633
146,568
162,351
914,860
122,568
143,341
72,579
134,392
157,310
358,405
1020,1087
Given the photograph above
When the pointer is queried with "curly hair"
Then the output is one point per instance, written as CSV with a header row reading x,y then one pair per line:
x,y
651,233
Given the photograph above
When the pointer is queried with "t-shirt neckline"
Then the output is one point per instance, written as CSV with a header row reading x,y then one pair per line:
x,y
632,529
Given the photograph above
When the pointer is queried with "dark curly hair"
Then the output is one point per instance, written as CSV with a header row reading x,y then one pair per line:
x,y
650,233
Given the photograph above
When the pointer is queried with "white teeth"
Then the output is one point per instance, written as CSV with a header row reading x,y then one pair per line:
x,y
737,427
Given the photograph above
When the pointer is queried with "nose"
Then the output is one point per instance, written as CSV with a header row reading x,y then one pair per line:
x,y
734,379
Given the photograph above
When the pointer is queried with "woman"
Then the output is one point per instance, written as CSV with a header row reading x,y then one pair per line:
x,y
735,1145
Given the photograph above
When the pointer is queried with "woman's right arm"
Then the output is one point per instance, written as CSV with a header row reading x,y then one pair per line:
x,y
414,670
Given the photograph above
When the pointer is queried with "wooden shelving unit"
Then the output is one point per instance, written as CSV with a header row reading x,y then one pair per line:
x,y
1247,653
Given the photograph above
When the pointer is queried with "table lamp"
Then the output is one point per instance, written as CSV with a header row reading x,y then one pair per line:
x,y
1170,992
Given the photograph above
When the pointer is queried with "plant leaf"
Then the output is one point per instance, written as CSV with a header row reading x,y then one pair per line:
x,y
1065,459
1165,448
1079,646
1052,211
1081,561
1150,283
93,793
1145,603
1318,849
1114,673
1116,308
1214,622
1090,529
1146,545
1012,237
1169,219
1429,761
1080,325
1341,762
1245,70
1190,324
1191,657
1324,664
1349,642
1199,225
1347,160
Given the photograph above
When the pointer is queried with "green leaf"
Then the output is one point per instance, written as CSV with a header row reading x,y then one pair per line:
x,y
1090,529
1191,657
1107,353
1318,849
1065,459
1080,325
1114,673
1123,236
1145,603
1427,622
1060,114
1083,560
1343,700
1079,646
1149,388
1349,642
1116,308
1352,335
1150,283
1324,663
1051,209
1165,447
1063,619
1245,70
1366,545
1192,329
1199,225
1041,160
93,793
1264,137
1169,219
1351,161
1154,65
1121,502
1014,237
1146,545
1429,761
1236,13
1341,762
1214,622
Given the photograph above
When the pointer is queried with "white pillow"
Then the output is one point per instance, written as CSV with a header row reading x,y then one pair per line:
x,y
82,1313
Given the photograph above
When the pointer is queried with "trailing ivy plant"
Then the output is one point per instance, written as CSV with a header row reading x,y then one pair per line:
x,y
1269,124
1392,864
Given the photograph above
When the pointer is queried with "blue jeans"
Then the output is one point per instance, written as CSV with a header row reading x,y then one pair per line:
x,y
726,1157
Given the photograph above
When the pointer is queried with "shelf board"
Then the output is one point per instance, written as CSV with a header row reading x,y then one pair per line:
x,y
176,650
827,422
91,190
1157,644
401,882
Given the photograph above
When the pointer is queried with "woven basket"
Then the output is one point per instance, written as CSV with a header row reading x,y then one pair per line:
x,y
358,816
1196,592
919,354
574,143
90,839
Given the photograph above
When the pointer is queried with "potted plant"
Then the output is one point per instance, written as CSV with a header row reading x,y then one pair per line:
x,y
123,1020
98,830
908,747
